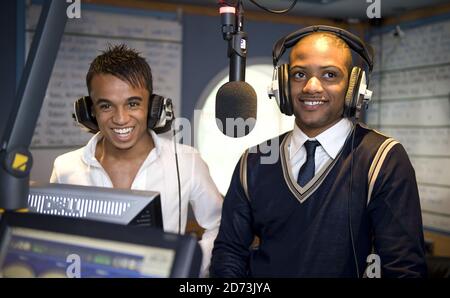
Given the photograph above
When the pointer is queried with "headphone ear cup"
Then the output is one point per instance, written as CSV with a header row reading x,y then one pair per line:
x,y
154,110
285,90
352,96
83,114
160,114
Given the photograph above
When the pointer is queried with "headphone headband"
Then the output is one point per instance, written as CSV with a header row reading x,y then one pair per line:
x,y
353,41
357,94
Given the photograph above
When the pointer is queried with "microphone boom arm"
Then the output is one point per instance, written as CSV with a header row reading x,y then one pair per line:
x,y
15,158
237,42
237,52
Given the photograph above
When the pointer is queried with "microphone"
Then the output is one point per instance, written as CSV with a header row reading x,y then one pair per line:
x,y
236,102
236,109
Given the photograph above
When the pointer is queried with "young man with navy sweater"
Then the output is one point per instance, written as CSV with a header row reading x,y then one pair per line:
x,y
339,194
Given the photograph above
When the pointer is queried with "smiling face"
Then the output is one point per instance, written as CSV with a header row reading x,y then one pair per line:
x,y
121,112
319,71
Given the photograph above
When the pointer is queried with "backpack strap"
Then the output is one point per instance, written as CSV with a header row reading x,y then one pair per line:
x,y
377,162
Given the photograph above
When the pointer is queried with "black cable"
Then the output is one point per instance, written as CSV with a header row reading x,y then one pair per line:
x,y
350,198
178,178
275,11
224,2
380,78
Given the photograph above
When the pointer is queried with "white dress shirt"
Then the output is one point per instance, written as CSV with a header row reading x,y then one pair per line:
x,y
157,173
331,142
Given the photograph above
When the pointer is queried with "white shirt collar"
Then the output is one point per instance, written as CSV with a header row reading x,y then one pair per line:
x,y
89,150
331,139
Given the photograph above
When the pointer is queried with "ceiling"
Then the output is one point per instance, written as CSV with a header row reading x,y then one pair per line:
x,y
334,9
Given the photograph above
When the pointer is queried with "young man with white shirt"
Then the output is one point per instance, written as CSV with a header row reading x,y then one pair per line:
x,y
338,193
125,153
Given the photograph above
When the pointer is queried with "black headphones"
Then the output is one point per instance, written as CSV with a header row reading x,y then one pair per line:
x,y
357,93
160,114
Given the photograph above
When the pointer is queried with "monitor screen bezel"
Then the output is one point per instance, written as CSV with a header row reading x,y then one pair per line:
x,y
186,263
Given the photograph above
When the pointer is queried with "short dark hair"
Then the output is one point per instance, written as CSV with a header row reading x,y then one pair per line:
x,y
124,63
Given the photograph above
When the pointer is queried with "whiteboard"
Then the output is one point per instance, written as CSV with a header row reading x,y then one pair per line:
x,y
432,171
422,141
418,82
432,111
412,104
420,46
159,41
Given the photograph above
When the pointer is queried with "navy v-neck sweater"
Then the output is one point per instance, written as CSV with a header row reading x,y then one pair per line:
x,y
305,232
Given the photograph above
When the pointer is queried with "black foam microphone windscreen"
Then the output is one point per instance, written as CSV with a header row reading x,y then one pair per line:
x,y
236,105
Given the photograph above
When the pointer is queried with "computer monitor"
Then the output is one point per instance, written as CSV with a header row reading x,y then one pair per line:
x,y
38,245
121,206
